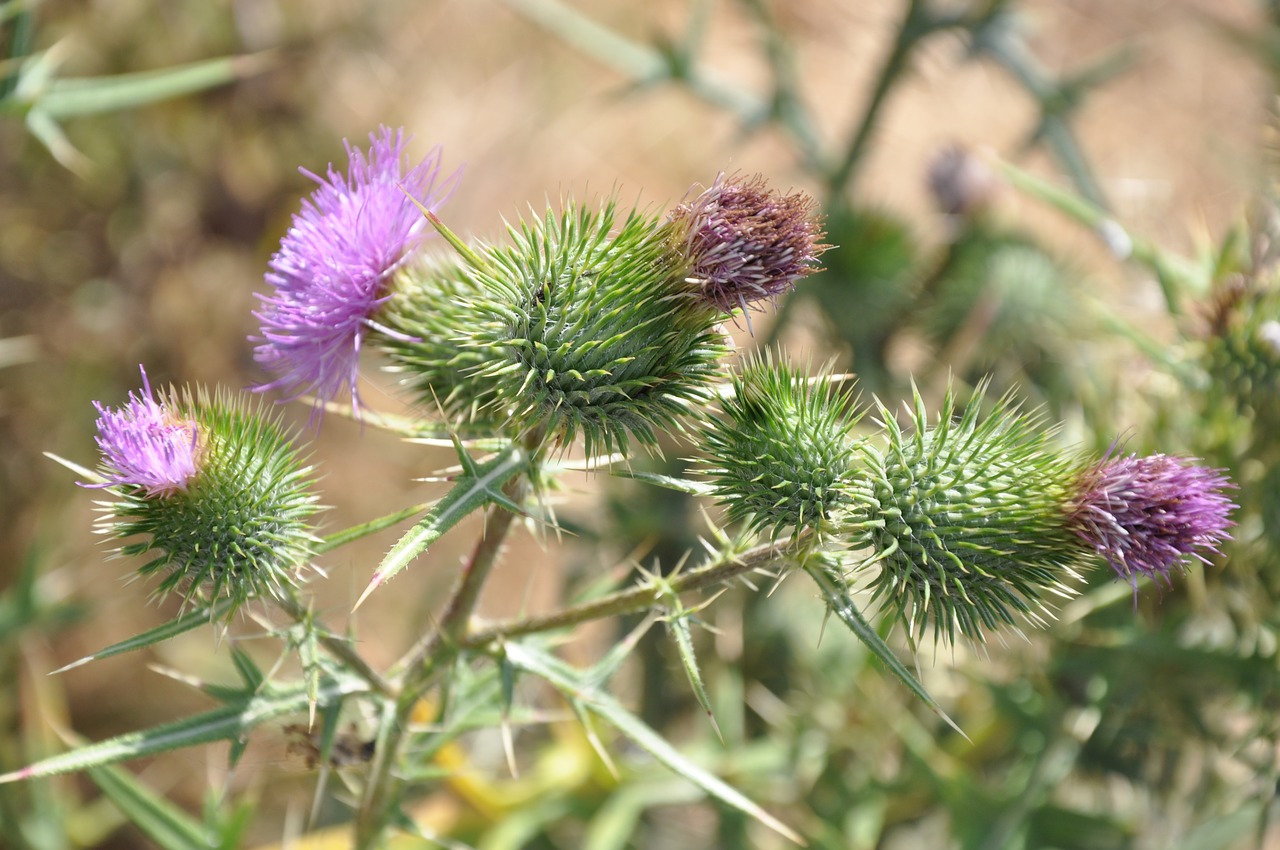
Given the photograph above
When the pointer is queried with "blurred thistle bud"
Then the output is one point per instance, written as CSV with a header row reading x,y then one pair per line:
x,y
960,182
331,273
740,242
575,328
964,520
780,455
216,490
1147,515
1242,348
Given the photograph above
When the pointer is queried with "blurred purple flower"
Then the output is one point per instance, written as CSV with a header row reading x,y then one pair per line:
x,y
1146,514
744,242
146,445
330,273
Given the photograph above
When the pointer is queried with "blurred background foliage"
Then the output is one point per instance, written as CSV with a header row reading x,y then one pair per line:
x,y
1132,293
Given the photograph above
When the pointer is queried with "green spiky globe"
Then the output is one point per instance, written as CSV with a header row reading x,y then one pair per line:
x,y
780,454
964,521
240,528
577,328
1242,354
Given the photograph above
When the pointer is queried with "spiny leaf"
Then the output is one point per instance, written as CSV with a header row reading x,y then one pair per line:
x,y
160,820
479,485
173,628
842,605
229,722
572,682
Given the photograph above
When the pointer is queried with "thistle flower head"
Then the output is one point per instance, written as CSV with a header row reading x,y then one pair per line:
x,y
239,526
963,519
780,455
146,445
574,328
1147,515
740,242
330,275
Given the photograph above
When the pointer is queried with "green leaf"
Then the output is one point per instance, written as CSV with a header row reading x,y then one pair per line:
x,y
161,821
577,688
478,485
842,605
173,628
678,628
65,98
229,722
373,526
680,485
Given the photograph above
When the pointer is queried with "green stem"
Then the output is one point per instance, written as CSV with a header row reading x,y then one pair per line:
x,y
383,787
639,598
337,647
917,24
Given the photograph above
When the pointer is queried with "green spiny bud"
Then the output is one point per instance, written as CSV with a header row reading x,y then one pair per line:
x,y
214,488
780,454
1242,350
576,328
965,520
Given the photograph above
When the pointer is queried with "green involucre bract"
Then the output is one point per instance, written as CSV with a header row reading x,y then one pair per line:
x,y
780,455
578,327
965,520
241,528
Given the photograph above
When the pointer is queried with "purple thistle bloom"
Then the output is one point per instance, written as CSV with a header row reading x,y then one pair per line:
x,y
1146,514
145,445
330,274
744,242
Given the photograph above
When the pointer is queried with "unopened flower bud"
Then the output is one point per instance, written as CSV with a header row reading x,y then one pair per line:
x,y
964,522
780,454
572,329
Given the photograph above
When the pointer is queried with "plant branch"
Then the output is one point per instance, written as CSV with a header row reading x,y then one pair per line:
x,y
383,787
724,567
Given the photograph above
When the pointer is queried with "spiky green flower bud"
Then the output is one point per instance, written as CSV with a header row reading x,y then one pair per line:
x,y
1242,350
576,328
780,454
214,489
964,520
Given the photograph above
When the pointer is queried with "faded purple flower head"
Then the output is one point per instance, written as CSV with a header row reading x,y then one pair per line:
x,y
331,272
1145,515
146,445
744,242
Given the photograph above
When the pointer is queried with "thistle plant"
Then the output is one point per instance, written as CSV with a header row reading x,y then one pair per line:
x,y
599,328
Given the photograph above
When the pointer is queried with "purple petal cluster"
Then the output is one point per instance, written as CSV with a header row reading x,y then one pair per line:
x,y
145,445
1145,515
330,274
743,242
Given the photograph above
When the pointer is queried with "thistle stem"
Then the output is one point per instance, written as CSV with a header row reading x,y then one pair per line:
x,y
723,568
338,647
383,787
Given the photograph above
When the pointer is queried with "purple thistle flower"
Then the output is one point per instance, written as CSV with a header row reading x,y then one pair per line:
x,y
744,243
330,274
145,445
1146,514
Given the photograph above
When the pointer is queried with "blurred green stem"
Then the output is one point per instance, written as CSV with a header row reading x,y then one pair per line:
x,y
918,24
